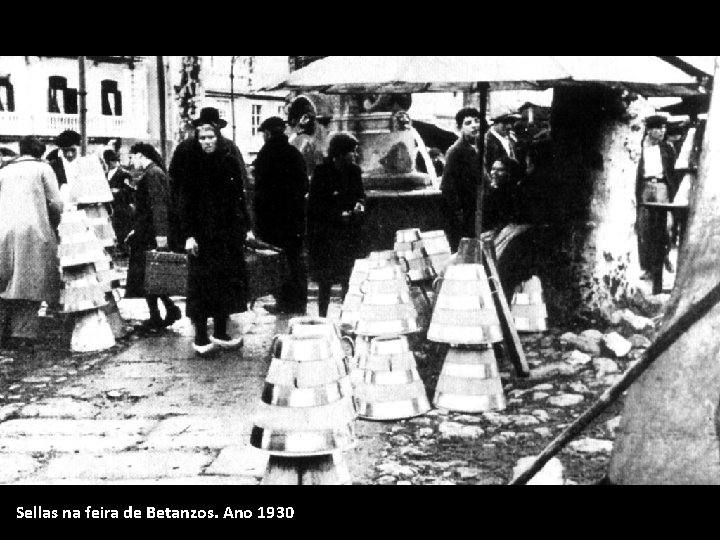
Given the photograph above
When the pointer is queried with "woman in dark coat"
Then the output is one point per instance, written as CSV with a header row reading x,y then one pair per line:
x,y
123,190
150,231
335,205
209,178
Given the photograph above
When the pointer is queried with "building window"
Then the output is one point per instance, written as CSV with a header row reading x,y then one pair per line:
x,y
256,118
111,98
62,99
7,95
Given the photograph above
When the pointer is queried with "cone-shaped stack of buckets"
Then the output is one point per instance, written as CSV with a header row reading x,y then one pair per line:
x,y
83,291
528,307
307,407
353,298
465,318
387,384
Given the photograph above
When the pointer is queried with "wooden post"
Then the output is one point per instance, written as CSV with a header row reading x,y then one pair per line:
x,y
484,89
162,106
510,335
83,106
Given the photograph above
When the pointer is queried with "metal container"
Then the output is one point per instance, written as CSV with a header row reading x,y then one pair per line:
x,y
470,382
528,307
420,266
387,384
407,236
464,312
438,249
307,406
382,259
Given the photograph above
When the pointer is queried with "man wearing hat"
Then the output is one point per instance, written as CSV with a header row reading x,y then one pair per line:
x,y
62,160
281,184
500,141
656,183
185,153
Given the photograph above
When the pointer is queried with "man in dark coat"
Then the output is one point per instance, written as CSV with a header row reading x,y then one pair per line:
x,y
462,176
65,153
212,221
656,183
281,184
123,190
150,230
500,141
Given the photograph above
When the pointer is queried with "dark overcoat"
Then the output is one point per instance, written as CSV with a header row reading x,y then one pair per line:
x,y
212,209
334,242
150,220
123,201
462,176
55,161
281,184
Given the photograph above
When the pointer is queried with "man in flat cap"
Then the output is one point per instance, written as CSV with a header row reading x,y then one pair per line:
x,y
656,183
281,184
62,160
500,140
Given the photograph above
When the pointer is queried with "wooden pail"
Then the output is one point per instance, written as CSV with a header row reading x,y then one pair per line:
x,y
470,382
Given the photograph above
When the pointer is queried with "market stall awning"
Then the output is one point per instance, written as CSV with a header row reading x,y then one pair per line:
x,y
415,74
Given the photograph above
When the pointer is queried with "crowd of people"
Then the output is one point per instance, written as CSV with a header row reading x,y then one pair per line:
x,y
511,175
308,197
198,206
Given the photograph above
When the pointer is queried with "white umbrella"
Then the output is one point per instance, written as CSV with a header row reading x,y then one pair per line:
x,y
413,74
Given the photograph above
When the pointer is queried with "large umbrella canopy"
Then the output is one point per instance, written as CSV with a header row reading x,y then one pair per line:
x,y
413,74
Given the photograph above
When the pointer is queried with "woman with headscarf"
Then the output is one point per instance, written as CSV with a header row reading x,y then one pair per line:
x,y
30,206
150,231
208,175
335,204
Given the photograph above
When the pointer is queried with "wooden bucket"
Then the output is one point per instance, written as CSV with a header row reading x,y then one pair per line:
x,y
387,384
470,382
464,311
307,406
528,307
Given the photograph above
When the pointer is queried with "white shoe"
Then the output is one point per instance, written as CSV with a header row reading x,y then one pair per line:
x,y
232,344
204,350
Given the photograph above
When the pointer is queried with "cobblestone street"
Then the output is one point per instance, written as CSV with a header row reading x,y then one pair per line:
x,y
149,411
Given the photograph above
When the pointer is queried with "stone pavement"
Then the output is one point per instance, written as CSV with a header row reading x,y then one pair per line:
x,y
156,414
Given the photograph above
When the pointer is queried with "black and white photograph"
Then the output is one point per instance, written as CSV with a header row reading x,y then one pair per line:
x,y
358,270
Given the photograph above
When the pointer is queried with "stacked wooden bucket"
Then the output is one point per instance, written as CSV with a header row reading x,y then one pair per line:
x,y
307,409
465,318
528,307
83,292
437,247
410,246
387,384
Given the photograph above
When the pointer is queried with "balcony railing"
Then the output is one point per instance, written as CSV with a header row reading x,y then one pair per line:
x,y
14,123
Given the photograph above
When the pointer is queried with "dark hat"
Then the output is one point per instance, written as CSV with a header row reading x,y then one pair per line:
x,y
273,124
656,121
68,138
507,119
110,155
210,115
300,106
